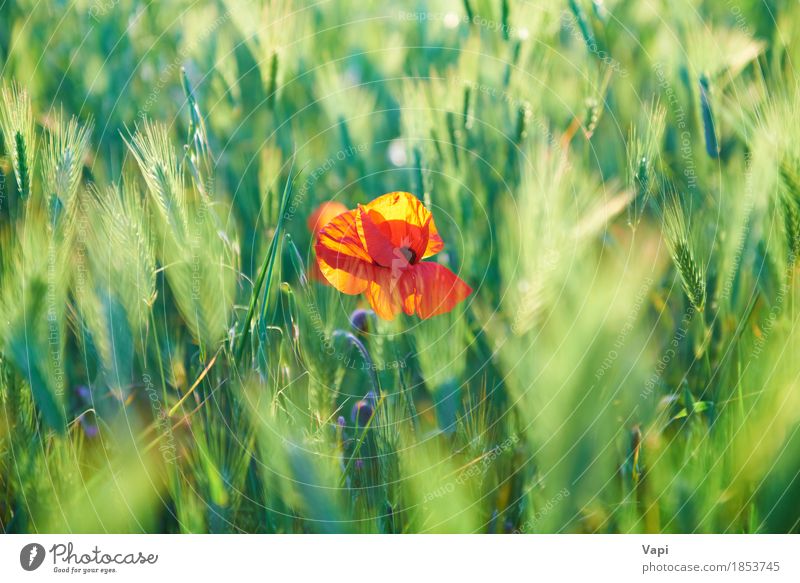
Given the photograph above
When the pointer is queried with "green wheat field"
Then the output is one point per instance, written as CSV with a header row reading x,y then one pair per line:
x,y
616,182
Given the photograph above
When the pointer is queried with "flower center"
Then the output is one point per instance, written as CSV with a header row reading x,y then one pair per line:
x,y
407,253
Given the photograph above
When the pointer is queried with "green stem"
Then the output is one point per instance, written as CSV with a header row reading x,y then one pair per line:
x,y
267,268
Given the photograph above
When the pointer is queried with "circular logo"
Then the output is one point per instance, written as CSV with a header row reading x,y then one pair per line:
x,y
31,556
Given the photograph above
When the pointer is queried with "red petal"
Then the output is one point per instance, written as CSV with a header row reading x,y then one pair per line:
x,y
438,290
378,246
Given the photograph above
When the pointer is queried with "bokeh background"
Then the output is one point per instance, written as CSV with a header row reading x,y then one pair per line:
x,y
618,181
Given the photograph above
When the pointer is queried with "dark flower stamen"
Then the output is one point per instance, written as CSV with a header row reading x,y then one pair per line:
x,y
409,254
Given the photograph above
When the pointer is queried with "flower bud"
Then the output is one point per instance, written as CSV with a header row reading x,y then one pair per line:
x,y
360,321
84,393
362,412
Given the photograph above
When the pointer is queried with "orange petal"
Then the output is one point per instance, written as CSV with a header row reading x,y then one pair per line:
x,y
435,243
346,273
406,222
340,237
388,292
324,214
314,273
438,290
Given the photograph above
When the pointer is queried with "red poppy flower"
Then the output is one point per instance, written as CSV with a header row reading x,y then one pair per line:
x,y
377,249
322,215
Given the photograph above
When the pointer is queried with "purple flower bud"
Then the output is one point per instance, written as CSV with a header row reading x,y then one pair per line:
x,y
340,421
89,429
359,464
359,320
362,412
84,394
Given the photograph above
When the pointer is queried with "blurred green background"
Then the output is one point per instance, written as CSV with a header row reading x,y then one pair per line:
x,y
618,181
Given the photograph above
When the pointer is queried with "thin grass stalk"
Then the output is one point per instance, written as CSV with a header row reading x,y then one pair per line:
x,y
266,270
